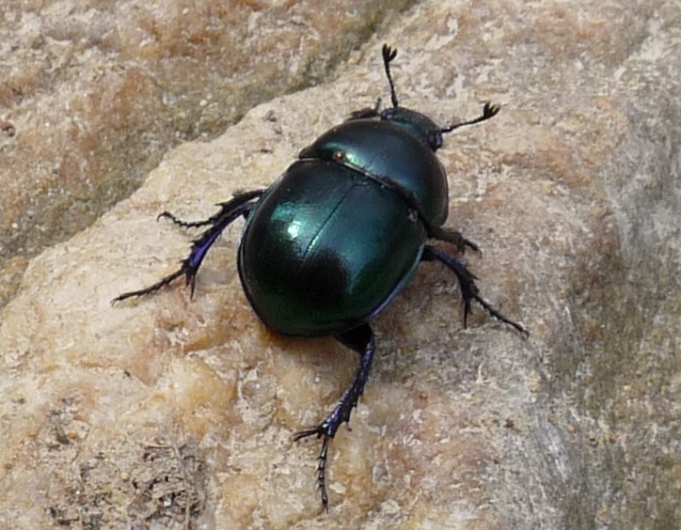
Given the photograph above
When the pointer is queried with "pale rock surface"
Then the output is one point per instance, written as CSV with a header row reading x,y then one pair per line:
x,y
92,94
175,413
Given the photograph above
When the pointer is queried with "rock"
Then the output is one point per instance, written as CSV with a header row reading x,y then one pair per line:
x,y
94,94
179,412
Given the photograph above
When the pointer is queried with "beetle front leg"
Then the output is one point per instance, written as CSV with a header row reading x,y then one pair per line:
x,y
225,208
241,204
361,340
469,291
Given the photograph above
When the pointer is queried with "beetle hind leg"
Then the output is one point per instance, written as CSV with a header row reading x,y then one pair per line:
x,y
240,204
469,290
361,340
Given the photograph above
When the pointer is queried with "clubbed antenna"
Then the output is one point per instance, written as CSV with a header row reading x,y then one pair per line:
x,y
388,55
488,111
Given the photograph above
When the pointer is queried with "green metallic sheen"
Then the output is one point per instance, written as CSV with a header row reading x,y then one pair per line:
x,y
326,248
394,154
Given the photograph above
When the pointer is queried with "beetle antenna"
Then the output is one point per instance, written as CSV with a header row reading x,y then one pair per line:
x,y
388,55
488,111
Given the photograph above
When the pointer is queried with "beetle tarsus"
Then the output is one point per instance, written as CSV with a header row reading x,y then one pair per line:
x,y
182,271
361,340
501,317
321,460
184,224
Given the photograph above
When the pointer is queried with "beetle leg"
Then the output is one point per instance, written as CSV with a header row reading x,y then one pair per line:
x,y
469,291
188,224
214,219
453,237
361,340
241,204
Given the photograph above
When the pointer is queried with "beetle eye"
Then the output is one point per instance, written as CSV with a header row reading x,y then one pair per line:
x,y
338,156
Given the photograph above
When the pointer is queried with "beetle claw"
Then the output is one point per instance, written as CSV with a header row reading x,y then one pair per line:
x,y
320,432
300,274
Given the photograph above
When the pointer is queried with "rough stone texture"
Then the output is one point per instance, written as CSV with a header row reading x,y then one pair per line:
x,y
179,413
92,94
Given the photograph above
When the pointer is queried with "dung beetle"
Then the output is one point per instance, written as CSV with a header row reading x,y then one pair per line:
x,y
336,237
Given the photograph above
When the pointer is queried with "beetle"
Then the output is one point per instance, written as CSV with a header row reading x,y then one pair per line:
x,y
340,233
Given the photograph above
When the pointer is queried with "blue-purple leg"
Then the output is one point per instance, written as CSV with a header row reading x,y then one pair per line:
x,y
361,340
469,291
240,205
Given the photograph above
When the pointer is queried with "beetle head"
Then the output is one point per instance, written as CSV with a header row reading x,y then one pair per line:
x,y
417,123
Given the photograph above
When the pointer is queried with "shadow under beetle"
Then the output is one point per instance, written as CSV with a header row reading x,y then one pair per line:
x,y
339,234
